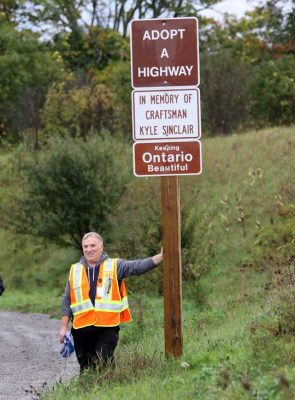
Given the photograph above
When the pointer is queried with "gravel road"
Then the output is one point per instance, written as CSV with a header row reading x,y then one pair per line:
x,y
29,356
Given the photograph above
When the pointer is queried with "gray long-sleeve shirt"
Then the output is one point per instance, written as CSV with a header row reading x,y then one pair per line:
x,y
125,268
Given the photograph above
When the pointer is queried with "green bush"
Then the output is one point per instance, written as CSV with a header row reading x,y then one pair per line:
x,y
70,188
79,109
224,92
273,91
116,76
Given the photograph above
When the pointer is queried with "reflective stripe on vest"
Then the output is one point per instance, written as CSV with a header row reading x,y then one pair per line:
x,y
81,307
77,273
114,306
108,269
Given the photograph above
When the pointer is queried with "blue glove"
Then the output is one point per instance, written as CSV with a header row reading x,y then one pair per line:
x,y
68,347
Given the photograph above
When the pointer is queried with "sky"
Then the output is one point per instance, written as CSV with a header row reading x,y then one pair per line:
x,y
236,7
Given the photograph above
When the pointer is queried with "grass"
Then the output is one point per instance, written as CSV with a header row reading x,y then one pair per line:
x,y
238,292
36,300
223,359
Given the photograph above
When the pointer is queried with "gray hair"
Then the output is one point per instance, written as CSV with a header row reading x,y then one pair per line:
x,y
92,234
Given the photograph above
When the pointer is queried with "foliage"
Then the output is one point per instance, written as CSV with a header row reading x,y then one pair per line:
x,y
275,25
260,49
221,211
28,300
264,33
71,188
92,50
82,44
273,91
34,264
238,323
139,235
8,8
225,92
223,358
273,253
117,77
27,68
79,109
274,244
80,16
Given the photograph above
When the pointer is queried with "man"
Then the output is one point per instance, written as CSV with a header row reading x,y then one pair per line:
x,y
96,301
1,286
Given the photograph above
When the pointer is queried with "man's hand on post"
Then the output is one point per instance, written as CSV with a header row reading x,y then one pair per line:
x,y
158,258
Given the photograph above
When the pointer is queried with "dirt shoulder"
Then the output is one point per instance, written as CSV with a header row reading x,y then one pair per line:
x,y
30,362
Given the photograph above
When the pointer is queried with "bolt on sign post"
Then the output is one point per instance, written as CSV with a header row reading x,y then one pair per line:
x,y
166,130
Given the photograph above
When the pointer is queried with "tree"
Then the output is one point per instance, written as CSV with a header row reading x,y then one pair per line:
x,y
79,108
90,51
263,33
8,9
225,89
273,91
78,16
256,80
27,69
71,188
123,11
89,33
275,26
116,76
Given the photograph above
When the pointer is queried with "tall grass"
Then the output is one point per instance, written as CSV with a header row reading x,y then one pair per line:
x,y
223,359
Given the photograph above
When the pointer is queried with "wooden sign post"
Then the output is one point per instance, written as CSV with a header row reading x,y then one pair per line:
x,y
172,265
166,129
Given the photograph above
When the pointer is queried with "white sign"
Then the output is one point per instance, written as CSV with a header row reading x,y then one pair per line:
x,y
159,114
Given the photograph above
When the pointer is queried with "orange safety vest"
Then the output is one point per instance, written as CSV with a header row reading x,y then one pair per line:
x,y
111,303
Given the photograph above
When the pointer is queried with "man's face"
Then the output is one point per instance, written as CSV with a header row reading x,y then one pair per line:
x,y
92,249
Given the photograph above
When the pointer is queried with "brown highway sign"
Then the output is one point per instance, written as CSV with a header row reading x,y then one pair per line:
x,y
167,158
164,52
